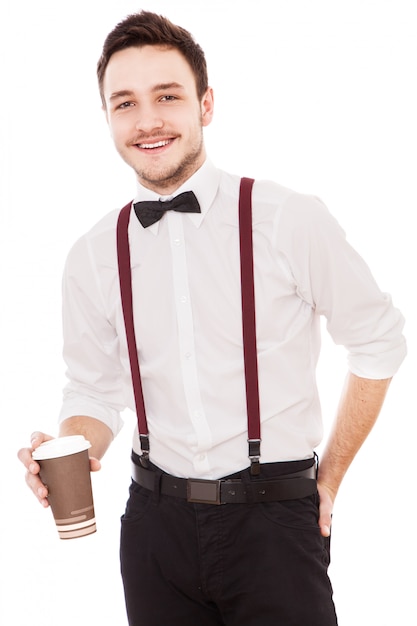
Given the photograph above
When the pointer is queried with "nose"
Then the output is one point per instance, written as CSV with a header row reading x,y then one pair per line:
x,y
148,119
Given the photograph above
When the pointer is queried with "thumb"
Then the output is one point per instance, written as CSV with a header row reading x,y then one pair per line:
x,y
325,511
95,464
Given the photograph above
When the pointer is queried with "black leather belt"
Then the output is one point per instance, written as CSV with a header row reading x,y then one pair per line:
x,y
287,487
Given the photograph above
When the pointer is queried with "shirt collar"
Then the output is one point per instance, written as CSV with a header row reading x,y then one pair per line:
x,y
204,183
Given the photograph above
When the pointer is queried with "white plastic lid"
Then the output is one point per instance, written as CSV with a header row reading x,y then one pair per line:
x,y
61,446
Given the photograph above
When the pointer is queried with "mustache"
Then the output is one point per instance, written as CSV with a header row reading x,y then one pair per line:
x,y
157,136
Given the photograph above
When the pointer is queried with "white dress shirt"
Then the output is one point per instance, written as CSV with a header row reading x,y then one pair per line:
x,y
187,311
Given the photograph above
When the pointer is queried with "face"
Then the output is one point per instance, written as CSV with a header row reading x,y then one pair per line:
x,y
155,116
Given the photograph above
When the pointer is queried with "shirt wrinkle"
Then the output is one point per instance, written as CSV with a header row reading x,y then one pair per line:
x,y
189,332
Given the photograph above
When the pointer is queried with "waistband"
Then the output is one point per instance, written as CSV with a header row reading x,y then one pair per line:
x,y
288,486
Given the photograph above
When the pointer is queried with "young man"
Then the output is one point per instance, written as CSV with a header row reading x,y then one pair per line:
x,y
210,536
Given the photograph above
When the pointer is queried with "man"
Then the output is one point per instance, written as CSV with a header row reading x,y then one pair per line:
x,y
210,536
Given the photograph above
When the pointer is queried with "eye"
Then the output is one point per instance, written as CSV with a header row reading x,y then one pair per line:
x,y
168,98
125,105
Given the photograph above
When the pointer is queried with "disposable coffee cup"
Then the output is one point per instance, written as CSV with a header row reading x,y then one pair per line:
x,y
65,470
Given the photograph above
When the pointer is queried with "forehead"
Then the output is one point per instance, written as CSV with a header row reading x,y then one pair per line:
x,y
141,68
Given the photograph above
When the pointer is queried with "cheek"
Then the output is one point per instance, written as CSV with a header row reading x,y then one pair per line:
x,y
119,128
187,116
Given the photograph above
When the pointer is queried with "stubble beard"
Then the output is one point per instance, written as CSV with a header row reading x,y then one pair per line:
x,y
172,176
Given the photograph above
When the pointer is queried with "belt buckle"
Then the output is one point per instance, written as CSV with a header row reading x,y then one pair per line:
x,y
203,491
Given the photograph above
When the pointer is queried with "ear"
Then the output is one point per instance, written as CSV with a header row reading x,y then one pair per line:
x,y
207,107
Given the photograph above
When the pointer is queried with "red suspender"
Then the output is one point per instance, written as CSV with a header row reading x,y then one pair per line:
x,y
125,279
248,323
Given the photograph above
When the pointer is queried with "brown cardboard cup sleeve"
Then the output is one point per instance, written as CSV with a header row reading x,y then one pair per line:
x,y
65,470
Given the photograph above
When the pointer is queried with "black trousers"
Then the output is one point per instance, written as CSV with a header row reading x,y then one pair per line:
x,y
187,564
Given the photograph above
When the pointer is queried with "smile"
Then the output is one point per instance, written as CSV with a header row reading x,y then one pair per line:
x,y
151,146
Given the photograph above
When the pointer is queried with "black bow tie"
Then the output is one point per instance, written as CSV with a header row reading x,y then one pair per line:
x,y
150,211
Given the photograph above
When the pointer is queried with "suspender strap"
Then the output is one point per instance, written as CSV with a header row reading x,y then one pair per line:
x,y
125,279
248,323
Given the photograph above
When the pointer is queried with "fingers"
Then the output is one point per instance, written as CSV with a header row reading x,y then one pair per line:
x,y
32,474
37,438
39,489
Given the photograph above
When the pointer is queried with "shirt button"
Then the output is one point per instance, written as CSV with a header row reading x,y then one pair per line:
x,y
183,299
177,242
202,457
188,355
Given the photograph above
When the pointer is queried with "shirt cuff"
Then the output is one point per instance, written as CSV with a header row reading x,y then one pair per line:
x,y
75,404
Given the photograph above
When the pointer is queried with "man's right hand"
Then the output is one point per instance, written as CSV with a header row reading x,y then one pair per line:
x,y
32,467
96,432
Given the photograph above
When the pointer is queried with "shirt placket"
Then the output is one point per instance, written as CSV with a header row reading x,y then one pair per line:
x,y
186,339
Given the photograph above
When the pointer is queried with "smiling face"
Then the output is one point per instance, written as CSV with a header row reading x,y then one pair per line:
x,y
155,116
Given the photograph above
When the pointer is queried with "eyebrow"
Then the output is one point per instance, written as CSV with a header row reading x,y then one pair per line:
x,y
124,93
127,93
167,86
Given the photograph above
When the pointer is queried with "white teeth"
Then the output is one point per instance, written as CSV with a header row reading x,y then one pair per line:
x,y
159,144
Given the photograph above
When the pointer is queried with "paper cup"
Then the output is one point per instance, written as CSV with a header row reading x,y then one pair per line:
x,y
65,470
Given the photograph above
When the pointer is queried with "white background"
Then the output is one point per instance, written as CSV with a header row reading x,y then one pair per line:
x,y
319,95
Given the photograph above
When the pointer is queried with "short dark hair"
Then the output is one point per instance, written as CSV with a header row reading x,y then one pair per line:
x,y
146,28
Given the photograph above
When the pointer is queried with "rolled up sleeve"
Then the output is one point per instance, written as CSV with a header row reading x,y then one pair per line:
x,y
91,347
333,278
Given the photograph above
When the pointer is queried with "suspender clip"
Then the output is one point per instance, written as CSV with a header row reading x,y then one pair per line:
x,y
144,446
254,456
